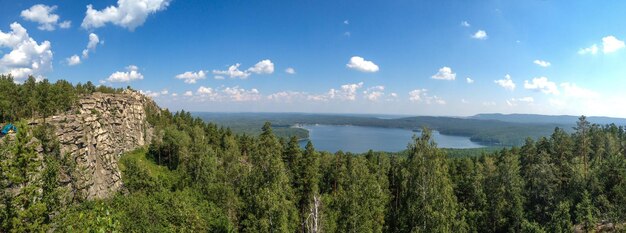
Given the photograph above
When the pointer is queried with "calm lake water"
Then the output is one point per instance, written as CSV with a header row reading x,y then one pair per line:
x,y
358,139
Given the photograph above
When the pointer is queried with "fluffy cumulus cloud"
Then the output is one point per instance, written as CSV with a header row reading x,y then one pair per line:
x,y
542,63
263,67
27,57
611,44
94,40
445,73
233,72
345,92
149,93
45,17
360,64
469,80
480,35
590,50
239,94
290,70
191,77
421,95
506,83
374,93
542,84
131,74
128,14
465,24
235,94
73,60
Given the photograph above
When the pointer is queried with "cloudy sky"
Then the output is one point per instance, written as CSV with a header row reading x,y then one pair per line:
x,y
454,58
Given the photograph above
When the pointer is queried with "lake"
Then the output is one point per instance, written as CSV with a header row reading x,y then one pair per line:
x,y
359,139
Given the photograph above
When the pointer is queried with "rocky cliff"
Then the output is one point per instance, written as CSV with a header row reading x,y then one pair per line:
x,y
95,134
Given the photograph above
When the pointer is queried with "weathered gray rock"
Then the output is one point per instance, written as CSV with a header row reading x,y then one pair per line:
x,y
95,134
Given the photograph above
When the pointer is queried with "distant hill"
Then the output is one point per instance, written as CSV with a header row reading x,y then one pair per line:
x,y
547,119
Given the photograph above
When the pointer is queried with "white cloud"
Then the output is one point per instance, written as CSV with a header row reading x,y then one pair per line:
x,y
421,95
515,101
73,60
611,44
65,24
346,92
149,93
286,96
542,63
346,22
174,94
204,91
239,94
127,14
263,67
572,90
465,24
416,95
94,40
360,64
191,77
469,80
290,70
374,93
445,73
188,93
591,50
542,84
218,77
506,83
45,17
233,72
27,57
164,92
131,74
480,35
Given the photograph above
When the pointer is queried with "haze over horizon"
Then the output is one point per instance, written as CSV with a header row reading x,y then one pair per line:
x,y
443,58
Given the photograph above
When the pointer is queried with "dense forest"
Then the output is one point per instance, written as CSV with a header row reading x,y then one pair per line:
x,y
197,176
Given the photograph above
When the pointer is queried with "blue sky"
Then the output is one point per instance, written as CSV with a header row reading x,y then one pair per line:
x,y
396,57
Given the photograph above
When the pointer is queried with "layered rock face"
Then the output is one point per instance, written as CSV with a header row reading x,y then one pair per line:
x,y
95,134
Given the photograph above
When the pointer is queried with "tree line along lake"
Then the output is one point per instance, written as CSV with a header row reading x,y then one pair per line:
x,y
359,139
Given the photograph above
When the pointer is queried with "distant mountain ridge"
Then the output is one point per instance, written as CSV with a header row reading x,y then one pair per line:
x,y
547,119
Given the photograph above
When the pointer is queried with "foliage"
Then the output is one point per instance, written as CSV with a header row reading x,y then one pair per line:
x,y
199,177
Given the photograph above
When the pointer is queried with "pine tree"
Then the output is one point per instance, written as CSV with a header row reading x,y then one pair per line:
x,y
560,221
269,198
585,213
430,204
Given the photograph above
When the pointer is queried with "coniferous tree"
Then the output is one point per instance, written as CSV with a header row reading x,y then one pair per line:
x,y
429,201
270,203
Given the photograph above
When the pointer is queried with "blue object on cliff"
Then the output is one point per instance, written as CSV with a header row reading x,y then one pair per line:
x,y
9,128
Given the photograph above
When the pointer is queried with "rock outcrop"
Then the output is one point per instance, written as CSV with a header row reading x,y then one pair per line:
x,y
95,134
